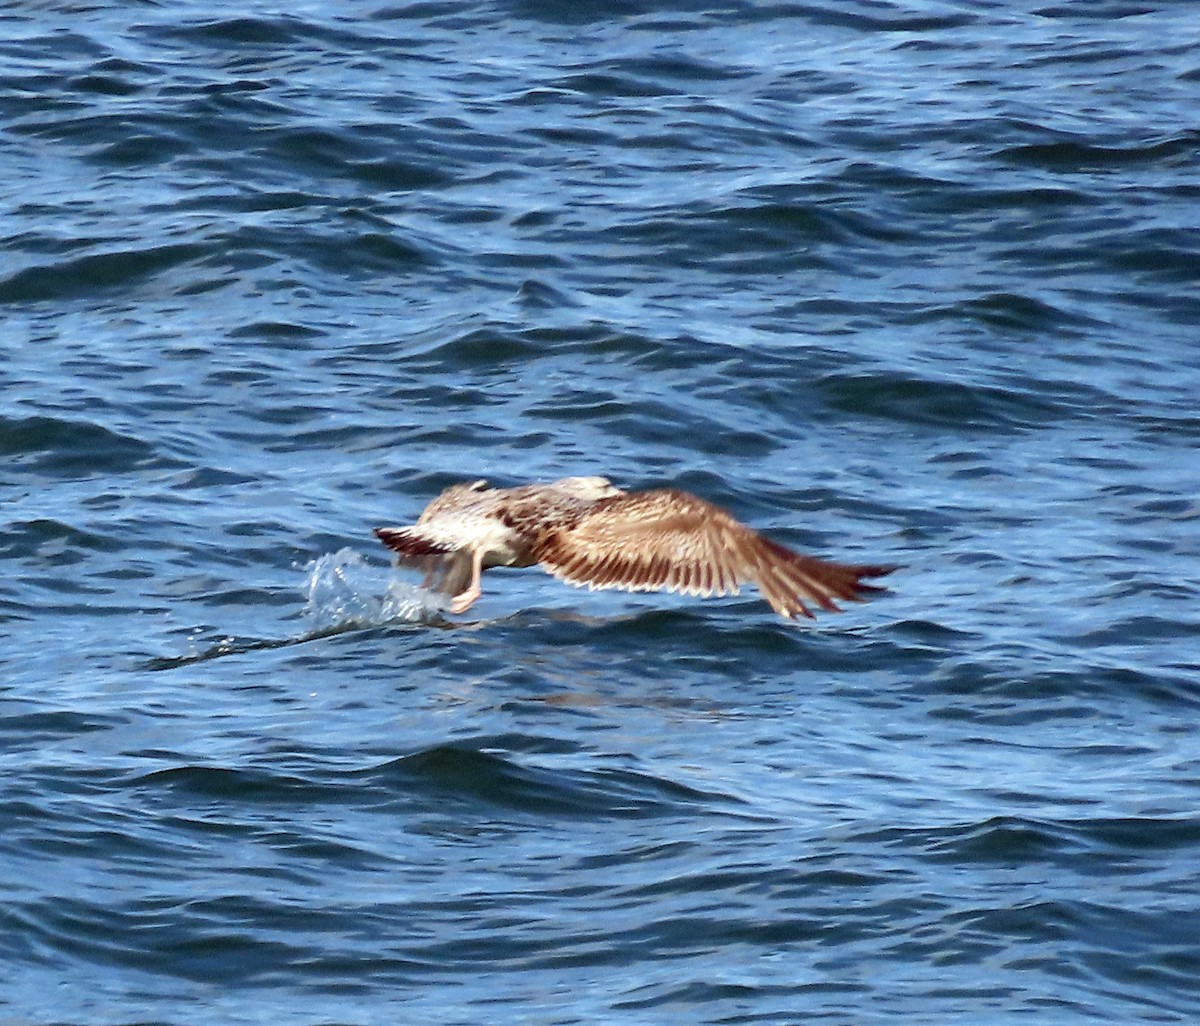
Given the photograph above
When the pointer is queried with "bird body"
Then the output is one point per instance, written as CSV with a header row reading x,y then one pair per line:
x,y
587,532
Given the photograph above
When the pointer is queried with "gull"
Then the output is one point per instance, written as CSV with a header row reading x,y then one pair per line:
x,y
587,532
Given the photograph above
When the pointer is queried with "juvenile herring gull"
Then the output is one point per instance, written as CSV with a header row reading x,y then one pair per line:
x,y
585,531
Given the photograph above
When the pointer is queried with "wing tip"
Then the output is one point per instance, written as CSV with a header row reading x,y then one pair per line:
x,y
404,541
861,588
791,582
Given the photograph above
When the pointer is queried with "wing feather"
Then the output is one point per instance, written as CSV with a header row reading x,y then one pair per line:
x,y
447,569
668,539
411,541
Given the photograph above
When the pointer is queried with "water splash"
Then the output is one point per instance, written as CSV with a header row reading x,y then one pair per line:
x,y
344,591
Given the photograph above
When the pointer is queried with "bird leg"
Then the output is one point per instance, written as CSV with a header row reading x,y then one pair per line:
x,y
463,600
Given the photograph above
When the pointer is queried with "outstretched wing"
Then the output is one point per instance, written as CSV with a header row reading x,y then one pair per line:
x,y
672,540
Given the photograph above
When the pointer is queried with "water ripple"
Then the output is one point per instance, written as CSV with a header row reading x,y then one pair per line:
x,y
918,288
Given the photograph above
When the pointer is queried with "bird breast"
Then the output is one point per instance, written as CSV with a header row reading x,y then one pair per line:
x,y
502,543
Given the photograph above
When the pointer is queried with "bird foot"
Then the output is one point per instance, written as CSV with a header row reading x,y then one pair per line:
x,y
464,600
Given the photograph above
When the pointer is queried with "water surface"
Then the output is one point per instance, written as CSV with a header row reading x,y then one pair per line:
x,y
897,282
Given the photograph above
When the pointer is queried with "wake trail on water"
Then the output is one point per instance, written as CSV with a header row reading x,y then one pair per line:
x,y
342,592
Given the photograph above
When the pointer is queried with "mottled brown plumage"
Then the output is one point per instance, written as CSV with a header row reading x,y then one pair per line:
x,y
588,533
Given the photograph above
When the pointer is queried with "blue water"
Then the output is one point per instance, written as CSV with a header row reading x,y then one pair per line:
x,y
912,282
